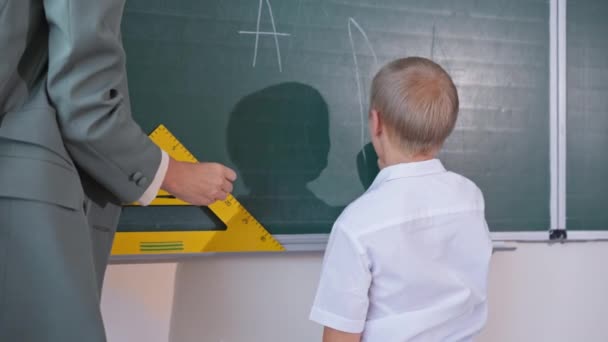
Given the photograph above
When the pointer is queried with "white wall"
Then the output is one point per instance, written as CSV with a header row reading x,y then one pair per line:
x,y
253,298
537,293
549,293
137,302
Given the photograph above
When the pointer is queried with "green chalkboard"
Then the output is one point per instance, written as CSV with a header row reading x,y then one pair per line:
x,y
278,90
587,120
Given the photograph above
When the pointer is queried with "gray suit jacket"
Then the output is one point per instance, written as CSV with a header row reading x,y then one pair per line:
x,y
63,90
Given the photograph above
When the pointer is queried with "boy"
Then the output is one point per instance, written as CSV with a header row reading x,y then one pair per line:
x,y
408,260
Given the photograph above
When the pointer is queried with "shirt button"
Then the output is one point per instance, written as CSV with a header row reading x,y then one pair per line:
x,y
142,181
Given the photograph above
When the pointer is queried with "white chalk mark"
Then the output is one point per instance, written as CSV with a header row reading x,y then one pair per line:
x,y
265,33
325,12
436,46
276,39
358,81
352,21
433,44
367,42
257,37
259,33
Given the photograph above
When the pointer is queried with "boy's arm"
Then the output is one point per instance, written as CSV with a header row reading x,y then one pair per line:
x,y
333,335
341,303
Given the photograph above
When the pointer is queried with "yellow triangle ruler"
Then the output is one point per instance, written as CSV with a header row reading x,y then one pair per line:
x,y
243,234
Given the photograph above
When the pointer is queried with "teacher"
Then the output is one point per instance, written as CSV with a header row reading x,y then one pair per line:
x,y
70,154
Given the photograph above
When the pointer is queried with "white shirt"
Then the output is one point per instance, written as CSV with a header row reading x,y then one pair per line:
x,y
408,260
150,194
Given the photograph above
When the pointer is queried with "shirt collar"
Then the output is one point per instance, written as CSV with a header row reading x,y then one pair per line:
x,y
405,170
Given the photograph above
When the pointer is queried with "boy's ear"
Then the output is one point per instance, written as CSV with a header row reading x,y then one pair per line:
x,y
375,122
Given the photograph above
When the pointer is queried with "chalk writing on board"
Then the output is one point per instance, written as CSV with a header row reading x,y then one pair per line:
x,y
259,33
433,43
437,46
353,22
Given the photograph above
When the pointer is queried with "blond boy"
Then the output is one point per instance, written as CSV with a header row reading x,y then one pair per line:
x,y
408,260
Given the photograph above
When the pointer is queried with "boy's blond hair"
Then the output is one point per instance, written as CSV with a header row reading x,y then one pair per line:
x,y
418,102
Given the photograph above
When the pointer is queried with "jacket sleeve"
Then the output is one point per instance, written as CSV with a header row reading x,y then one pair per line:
x,y
87,85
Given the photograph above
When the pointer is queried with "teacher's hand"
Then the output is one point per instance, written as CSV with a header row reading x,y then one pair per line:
x,y
198,183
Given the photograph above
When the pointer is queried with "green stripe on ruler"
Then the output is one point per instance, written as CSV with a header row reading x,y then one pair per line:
x,y
164,245
147,249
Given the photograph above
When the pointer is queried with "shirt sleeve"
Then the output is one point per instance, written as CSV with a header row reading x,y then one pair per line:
x,y
342,299
152,190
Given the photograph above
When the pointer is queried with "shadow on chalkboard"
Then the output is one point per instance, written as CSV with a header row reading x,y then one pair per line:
x,y
278,138
367,165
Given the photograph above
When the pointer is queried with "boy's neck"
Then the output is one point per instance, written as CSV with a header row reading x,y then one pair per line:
x,y
394,156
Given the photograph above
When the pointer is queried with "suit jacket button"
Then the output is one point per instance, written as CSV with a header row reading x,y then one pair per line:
x,y
142,181
136,176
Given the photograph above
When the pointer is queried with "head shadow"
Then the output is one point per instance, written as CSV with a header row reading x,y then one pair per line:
x,y
278,138
367,165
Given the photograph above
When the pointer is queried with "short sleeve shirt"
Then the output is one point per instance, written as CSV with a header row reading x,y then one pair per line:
x,y
409,259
